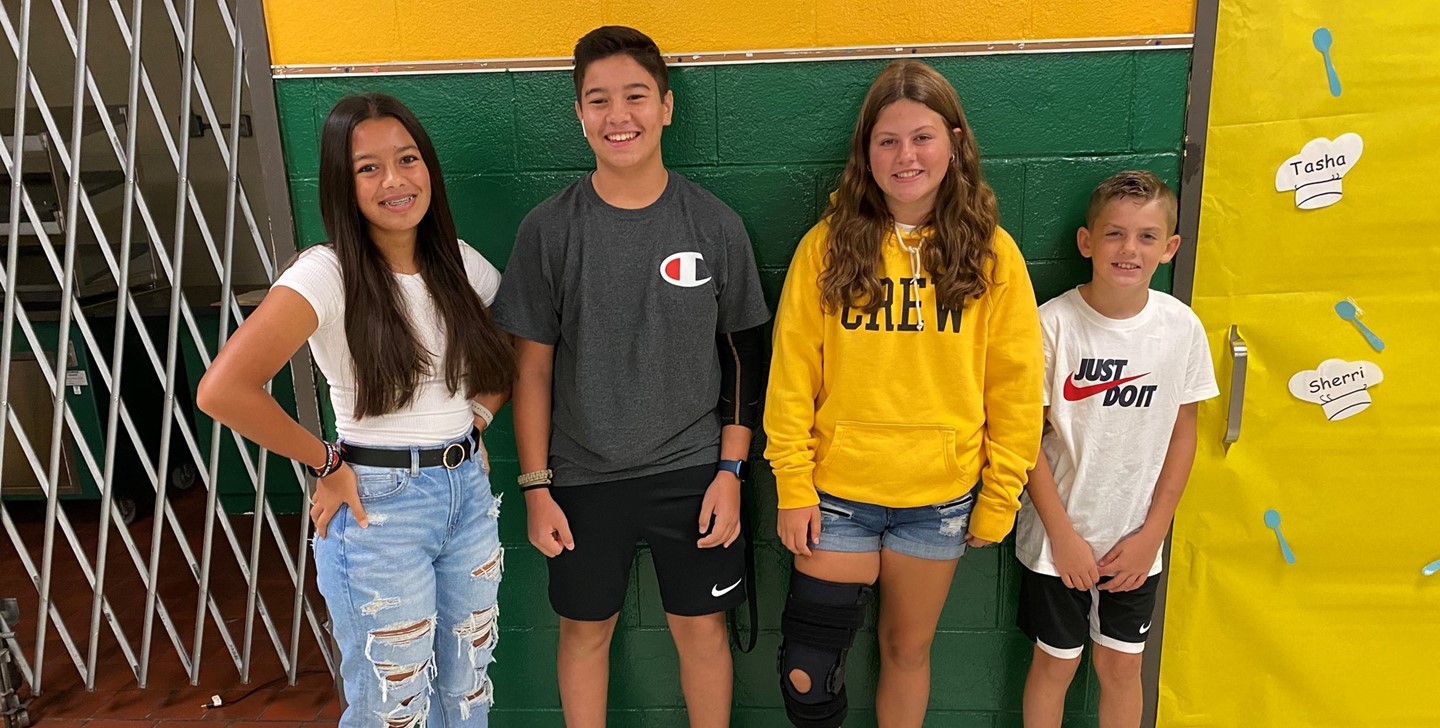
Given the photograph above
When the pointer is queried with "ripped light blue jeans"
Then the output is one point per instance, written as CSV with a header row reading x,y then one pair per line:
x,y
412,598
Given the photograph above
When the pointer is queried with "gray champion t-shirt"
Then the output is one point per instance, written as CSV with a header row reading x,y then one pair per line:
x,y
632,301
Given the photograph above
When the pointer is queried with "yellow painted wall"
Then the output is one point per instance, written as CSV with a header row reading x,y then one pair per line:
x,y
380,31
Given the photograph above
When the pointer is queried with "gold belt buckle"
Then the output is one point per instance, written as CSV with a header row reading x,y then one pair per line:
x,y
459,450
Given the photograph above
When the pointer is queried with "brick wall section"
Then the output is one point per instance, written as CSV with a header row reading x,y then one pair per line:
x,y
769,140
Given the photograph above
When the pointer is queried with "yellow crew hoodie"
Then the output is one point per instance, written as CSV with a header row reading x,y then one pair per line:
x,y
879,409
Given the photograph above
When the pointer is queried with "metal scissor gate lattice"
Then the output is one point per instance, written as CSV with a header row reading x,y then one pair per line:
x,y
119,286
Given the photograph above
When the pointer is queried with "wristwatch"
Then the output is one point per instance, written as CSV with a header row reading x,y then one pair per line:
x,y
740,468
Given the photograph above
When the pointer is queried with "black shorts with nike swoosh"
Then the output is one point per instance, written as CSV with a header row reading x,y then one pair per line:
x,y
608,520
1056,618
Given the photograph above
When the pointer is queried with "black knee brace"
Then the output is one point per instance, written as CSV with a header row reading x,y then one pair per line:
x,y
817,629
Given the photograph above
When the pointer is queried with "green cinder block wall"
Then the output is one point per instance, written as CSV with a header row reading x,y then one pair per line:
x,y
769,139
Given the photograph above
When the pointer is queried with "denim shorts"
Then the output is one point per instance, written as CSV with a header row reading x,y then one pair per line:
x,y
934,532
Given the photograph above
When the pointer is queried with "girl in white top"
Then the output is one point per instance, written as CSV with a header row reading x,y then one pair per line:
x,y
394,309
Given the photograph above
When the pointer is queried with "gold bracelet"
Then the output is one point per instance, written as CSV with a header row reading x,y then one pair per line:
x,y
537,477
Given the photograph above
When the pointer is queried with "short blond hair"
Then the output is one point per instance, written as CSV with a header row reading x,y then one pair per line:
x,y
1136,184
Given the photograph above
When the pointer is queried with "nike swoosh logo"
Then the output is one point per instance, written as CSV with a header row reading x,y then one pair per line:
x,y
1145,629
716,591
1075,394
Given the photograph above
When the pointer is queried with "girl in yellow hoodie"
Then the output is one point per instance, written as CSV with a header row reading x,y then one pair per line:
x,y
907,364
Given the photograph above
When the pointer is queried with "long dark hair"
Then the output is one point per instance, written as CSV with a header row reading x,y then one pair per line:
x,y
958,253
389,360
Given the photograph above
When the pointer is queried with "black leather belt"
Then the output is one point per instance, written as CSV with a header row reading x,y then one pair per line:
x,y
451,456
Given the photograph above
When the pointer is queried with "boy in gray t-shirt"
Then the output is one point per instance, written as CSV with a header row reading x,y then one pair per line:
x,y
631,300
636,308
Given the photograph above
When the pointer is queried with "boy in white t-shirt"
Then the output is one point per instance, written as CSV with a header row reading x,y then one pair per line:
x,y
1125,369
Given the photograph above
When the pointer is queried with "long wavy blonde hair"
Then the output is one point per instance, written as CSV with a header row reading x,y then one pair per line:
x,y
957,251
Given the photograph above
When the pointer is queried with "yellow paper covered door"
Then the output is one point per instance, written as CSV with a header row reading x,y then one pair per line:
x,y
1320,241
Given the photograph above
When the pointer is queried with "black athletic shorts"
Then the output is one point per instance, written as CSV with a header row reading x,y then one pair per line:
x,y
1057,618
609,519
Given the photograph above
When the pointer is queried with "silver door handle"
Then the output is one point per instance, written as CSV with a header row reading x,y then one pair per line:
x,y
1239,356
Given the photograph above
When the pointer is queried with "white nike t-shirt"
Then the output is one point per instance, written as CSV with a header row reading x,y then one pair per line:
x,y
1114,388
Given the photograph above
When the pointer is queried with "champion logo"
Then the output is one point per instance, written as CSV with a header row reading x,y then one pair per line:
x,y
686,270
716,591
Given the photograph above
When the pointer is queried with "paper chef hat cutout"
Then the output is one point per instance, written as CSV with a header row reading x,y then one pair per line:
x,y
1315,172
1341,388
